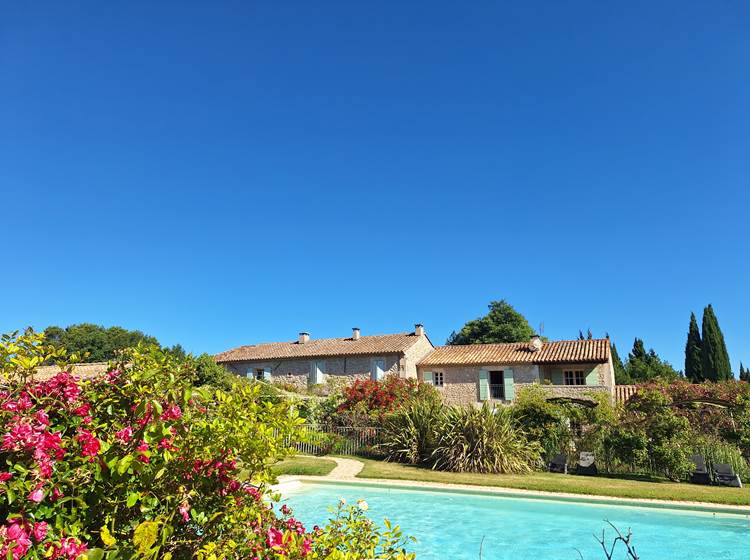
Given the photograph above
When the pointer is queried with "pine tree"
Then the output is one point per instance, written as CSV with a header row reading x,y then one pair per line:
x,y
589,336
693,366
648,366
714,355
580,335
744,373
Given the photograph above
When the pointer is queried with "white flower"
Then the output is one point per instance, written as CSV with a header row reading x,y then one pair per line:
x,y
361,504
342,501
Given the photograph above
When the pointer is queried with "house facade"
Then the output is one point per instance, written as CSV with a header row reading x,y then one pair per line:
x,y
476,373
308,361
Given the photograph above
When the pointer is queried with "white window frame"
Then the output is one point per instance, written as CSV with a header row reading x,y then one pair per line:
x,y
574,377
259,374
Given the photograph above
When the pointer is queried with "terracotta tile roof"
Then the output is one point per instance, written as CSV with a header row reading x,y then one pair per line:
x,y
560,351
84,371
365,345
624,392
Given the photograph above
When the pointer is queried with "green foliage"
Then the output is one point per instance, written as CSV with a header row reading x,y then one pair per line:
x,y
645,365
714,355
716,450
502,324
140,464
350,535
542,421
208,372
621,375
651,436
744,373
483,440
409,435
95,343
693,349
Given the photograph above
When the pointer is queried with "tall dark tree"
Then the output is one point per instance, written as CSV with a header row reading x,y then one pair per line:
x,y
621,376
714,355
501,324
589,335
100,343
580,335
645,365
744,373
693,364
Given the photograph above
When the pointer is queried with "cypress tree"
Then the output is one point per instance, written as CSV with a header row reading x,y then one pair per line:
x,y
714,355
693,365
744,373
621,376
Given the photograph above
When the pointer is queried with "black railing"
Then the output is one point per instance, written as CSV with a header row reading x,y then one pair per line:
x,y
497,392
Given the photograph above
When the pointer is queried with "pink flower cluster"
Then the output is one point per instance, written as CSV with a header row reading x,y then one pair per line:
x,y
69,548
16,537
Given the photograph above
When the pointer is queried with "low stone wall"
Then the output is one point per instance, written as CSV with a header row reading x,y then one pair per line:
x,y
571,391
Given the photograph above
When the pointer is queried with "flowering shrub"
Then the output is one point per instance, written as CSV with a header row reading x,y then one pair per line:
x,y
377,398
138,464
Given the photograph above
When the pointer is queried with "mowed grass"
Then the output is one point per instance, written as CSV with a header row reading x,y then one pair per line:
x,y
303,465
621,487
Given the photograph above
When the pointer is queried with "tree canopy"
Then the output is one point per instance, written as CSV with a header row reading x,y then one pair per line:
x,y
502,324
645,365
99,342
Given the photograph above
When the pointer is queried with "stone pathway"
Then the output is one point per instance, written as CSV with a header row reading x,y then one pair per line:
x,y
345,469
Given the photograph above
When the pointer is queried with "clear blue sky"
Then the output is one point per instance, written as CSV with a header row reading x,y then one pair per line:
x,y
224,173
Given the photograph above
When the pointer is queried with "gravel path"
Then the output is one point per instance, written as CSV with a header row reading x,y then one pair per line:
x,y
345,469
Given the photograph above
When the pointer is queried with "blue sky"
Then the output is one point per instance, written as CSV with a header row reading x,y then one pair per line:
x,y
224,173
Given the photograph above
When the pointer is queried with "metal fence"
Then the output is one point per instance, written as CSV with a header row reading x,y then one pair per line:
x,y
343,440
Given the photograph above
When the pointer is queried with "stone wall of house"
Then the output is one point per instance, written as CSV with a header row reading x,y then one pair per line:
x,y
297,372
413,355
604,372
460,383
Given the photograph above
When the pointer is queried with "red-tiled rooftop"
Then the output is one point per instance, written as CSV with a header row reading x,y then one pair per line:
x,y
559,351
365,345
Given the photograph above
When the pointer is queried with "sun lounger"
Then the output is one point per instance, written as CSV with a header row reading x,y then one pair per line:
x,y
701,474
559,464
587,464
726,476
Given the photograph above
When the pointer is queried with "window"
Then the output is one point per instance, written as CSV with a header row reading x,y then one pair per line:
x,y
437,378
574,377
377,369
259,374
497,385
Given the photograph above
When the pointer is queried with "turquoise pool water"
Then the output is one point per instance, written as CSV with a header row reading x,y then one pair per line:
x,y
452,525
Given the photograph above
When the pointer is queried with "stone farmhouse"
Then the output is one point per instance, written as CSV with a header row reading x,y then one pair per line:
x,y
464,374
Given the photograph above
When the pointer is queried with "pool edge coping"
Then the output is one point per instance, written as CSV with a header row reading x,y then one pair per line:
x,y
289,481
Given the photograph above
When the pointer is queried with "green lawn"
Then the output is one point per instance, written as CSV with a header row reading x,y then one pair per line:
x,y
304,465
631,487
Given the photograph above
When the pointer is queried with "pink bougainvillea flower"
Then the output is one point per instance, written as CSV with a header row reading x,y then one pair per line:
x,y
173,412
36,496
124,435
274,538
184,511
40,531
5,476
143,446
90,446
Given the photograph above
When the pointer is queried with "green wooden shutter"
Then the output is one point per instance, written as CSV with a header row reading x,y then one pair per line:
x,y
557,377
484,385
427,377
510,390
592,378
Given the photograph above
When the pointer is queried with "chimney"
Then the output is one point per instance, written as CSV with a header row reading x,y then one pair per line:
x,y
419,329
304,337
355,333
536,343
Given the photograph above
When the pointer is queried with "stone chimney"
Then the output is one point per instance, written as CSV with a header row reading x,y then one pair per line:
x,y
419,329
355,333
536,343
304,337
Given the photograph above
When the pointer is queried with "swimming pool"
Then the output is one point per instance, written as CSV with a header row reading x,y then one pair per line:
x,y
452,525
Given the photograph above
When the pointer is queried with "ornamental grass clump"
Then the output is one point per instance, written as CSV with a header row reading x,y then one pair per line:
x,y
138,464
483,440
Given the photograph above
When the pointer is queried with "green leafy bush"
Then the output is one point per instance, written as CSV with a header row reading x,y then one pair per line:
x,y
139,464
715,450
543,421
